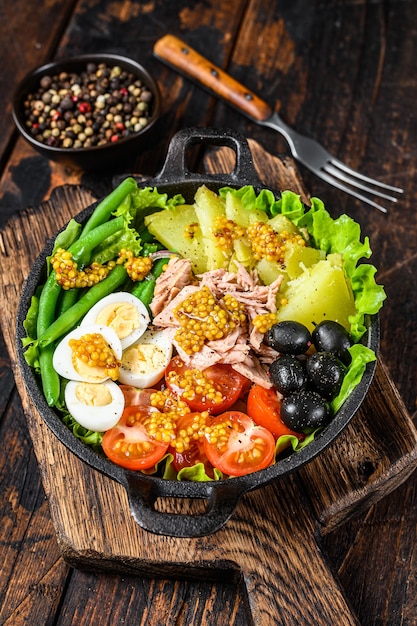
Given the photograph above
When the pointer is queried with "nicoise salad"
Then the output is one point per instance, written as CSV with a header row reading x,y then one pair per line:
x,y
206,340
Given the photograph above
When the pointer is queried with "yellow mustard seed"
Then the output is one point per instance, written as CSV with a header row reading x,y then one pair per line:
x,y
204,318
193,382
190,230
69,276
93,350
167,402
138,267
265,242
226,231
264,322
160,426
192,433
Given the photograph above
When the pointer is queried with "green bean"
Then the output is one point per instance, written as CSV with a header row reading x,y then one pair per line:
x,y
158,267
109,204
67,299
144,291
67,236
68,320
50,379
82,248
47,303
46,312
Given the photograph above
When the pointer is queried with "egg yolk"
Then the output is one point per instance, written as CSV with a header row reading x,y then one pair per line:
x,y
122,317
144,358
93,394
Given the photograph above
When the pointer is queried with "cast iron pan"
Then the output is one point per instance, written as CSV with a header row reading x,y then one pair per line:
x,y
221,496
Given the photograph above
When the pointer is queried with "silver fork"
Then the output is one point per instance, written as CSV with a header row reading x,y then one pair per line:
x,y
309,152
314,157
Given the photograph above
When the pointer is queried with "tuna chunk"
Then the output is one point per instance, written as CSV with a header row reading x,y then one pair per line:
x,y
166,318
242,348
177,275
254,370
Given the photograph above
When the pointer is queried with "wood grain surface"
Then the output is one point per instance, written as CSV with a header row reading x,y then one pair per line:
x,y
88,509
340,71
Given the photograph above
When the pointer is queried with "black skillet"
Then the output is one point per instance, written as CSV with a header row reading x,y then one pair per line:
x,y
221,496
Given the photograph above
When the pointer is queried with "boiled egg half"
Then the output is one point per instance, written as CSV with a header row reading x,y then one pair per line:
x,y
96,406
122,312
68,365
145,361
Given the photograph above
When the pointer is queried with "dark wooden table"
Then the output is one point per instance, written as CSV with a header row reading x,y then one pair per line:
x,y
340,71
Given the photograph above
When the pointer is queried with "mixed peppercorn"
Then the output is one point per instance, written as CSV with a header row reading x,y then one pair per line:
x,y
98,106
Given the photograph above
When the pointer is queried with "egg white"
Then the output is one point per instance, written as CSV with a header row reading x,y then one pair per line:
x,y
62,358
114,299
156,348
98,418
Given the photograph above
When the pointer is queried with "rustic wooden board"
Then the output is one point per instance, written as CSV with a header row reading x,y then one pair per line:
x,y
271,540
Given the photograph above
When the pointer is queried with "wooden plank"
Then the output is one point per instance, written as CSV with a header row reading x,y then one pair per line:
x,y
88,513
350,123
32,568
392,522
149,602
32,42
129,30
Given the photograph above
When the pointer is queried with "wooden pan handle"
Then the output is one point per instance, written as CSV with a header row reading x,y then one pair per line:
x,y
190,63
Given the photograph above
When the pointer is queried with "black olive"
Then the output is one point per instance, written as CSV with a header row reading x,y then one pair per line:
x,y
305,411
288,374
330,336
288,337
326,372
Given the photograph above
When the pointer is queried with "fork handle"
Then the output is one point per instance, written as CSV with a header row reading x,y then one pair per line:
x,y
190,63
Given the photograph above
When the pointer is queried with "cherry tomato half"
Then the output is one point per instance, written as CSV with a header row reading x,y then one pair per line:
x,y
224,378
190,429
136,397
195,452
264,407
129,443
237,446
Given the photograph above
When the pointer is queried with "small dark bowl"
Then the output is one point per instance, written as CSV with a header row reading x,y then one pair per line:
x,y
96,157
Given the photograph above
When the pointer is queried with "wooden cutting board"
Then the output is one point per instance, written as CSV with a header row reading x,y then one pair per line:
x,y
272,541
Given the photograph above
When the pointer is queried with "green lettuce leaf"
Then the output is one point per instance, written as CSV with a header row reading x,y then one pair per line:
x,y
361,356
90,437
196,473
286,441
149,197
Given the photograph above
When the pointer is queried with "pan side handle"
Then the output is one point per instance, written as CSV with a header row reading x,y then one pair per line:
x,y
143,492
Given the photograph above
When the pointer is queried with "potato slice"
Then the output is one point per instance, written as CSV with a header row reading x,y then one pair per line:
x,y
320,292
173,229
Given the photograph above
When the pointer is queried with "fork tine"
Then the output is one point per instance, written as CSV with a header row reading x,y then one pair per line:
x,y
365,179
333,181
355,182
